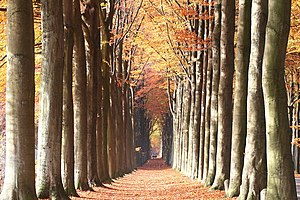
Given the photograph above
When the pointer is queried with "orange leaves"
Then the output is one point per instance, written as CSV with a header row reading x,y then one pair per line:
x,y
155,180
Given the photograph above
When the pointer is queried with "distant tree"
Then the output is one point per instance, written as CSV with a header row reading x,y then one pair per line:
x,y
19,170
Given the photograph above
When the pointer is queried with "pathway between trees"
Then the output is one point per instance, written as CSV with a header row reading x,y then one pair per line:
x,y
155,180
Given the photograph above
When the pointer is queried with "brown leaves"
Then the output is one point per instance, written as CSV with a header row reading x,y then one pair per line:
x,y
155,180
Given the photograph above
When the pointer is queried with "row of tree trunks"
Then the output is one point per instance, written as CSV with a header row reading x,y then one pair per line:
x,y
81,132
235,147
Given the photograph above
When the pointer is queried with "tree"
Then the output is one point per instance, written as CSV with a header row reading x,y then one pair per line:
x,y
254,172
280,181
92,40
49,183
225,93
68,108
19,170
239,126
80,103
214,94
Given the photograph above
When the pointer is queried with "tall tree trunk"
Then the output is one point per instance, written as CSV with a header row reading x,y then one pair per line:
x,y
80,103
240,97
106,99
214,94
92,33
191,133
281,182
68,109
202,118
208,103
254,171
185,125
50,122
225,93
99,138
19,163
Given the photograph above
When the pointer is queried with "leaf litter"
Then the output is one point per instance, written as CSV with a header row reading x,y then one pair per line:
x,y
154,180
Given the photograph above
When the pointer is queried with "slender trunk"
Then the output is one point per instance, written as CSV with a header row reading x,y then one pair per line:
x,y
185,125
208,108
202,118
68,110
91,18
80,103
214,95
240,97
225,93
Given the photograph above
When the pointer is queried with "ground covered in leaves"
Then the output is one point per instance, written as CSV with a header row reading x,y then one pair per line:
x,y
155,180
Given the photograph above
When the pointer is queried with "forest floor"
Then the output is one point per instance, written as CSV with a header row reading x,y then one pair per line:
x,y
155,180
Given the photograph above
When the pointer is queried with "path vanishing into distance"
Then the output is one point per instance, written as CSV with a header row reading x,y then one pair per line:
x,y
155,180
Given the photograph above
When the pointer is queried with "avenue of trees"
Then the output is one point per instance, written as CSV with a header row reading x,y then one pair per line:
x,y
211,73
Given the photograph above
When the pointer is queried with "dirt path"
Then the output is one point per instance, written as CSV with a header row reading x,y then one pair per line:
x,y
152,181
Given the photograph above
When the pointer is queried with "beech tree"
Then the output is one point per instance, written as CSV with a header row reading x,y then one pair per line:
x,y
68,108
19,170
239,126
254,171
49,183
80,102
214,94
225,93
280,180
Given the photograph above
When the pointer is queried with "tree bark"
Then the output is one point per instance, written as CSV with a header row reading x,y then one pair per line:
x,y
214,94
281,182
68,109
92,43
20,136
239,125
80,103
50,122
225,93
254,173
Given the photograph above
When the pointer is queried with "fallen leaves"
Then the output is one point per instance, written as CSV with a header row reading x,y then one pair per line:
x,y
155,180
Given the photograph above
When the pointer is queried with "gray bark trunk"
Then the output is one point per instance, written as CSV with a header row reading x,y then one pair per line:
x,y
225,93
281,182
208,105
214,95
50,122
185,125
239,110
254,173
20,136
